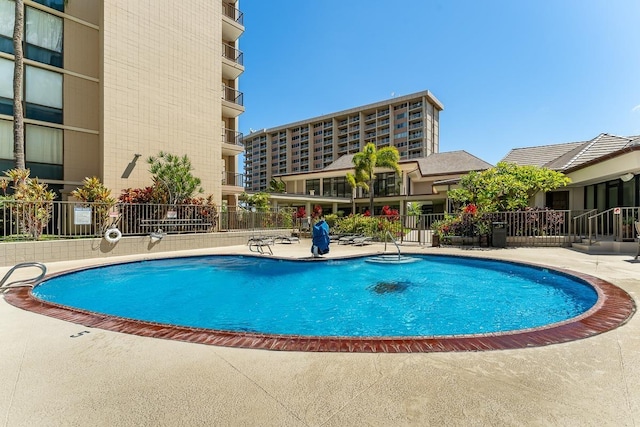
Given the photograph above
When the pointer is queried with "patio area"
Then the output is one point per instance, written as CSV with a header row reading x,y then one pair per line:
x,y
59,373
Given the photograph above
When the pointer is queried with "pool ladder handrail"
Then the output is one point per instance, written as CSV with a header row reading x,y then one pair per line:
x,y
24,282
394,242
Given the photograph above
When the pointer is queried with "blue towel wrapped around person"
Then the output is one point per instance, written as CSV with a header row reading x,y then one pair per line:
x,y
320,238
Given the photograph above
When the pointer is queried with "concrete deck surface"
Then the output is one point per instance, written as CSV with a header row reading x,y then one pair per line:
x,y
55,373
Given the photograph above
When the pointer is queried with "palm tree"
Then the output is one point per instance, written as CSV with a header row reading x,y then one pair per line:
x,y
365,163
18,82
276,186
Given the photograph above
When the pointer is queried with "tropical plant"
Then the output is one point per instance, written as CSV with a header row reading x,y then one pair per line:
x,y
414,208
259,200
174,174
331,219
506,187
141,195
317,212
199,208
276,186
31,202
95,193
365,164
376,227
300,212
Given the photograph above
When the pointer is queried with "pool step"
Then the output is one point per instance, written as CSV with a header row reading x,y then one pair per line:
x,y
391,259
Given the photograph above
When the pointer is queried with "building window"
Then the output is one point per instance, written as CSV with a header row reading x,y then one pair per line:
x,y
313,184
43,36
6,139
386,184
337,187
6,87
43,33
43,144
43,95
43,148
53,4
7,11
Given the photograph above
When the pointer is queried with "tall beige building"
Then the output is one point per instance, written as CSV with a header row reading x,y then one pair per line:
x,y
109,83
410,123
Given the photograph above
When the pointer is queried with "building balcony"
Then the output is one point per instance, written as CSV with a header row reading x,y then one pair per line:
x,y
232,62
232,22
232,183
231,142
232,102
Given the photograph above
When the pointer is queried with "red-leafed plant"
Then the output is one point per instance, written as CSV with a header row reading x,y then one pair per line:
x,y
301,212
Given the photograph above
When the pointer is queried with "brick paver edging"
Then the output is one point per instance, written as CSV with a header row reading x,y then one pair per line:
x,y
613,308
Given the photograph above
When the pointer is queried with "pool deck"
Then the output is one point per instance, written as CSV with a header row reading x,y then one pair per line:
x,y
60,373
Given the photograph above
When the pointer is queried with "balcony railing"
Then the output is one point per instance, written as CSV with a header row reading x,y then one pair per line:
x,y
232,137
232,54
232,95
231,12
233,179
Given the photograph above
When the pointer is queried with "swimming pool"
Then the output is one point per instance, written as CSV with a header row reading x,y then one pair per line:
x,y
337,305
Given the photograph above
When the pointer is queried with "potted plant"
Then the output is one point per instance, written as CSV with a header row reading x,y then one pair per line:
x,y
482,230
437,235
627,227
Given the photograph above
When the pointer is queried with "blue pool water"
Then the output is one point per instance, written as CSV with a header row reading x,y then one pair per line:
x,y
436,296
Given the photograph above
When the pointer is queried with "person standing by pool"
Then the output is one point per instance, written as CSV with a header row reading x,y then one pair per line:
x,y
320,234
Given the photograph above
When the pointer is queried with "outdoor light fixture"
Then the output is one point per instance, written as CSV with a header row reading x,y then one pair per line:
x,y
626,177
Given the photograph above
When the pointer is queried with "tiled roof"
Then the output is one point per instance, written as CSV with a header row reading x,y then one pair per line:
x,y
344,162
570,155
451,162
541,155
600,146
434,164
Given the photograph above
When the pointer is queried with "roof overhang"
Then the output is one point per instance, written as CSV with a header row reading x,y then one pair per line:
x,y
605,168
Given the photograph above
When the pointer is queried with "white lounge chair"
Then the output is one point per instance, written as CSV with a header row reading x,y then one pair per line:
x,y
361,241
258,244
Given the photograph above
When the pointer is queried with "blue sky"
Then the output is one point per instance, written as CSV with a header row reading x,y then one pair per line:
x,y
509,73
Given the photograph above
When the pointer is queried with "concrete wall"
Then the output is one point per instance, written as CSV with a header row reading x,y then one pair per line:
x,y
64,250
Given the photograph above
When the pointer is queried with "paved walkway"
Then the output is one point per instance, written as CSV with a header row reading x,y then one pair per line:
x,y
58,373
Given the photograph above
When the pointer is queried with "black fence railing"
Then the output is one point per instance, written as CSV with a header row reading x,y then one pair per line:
x,y
66,220
232,54
231,12
232,95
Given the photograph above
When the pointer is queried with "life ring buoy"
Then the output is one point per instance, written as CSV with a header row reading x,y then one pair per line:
x,y
112,235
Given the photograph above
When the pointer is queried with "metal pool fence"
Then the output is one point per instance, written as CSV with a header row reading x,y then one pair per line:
x,y
68,220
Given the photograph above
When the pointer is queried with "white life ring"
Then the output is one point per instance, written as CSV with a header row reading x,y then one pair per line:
x,y
112,235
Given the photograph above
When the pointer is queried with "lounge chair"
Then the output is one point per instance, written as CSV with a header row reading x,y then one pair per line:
x,y
361,241
347,240
286,239
258,244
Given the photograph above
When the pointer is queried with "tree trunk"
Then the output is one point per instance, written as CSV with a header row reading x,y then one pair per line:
x,y
371,201
371,183
18,79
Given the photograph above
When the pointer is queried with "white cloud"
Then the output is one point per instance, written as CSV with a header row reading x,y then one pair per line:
x,y
636,109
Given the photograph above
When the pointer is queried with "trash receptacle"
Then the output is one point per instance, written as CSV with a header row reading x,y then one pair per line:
x,y
499,235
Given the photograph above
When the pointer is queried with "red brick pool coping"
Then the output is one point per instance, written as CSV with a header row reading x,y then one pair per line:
x,y
613,308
